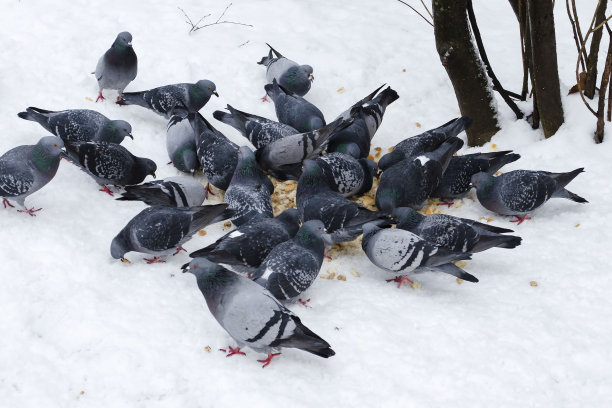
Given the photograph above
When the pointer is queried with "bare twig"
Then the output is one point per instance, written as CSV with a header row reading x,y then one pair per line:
x,y
583,51
196,26
413,9
605,78
244,43
427,9
571,19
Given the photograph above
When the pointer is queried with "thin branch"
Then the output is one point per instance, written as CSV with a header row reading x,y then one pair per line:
x,y
427,9
413,9
571,19
196,26
599,131
582,41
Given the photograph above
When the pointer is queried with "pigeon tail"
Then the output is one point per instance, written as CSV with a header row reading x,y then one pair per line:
x,y
235,119
147,195
388,96
497,160
36,115
454,126
444,153
457,272
305,339
563,179
563,193
208,214
500,241
267,60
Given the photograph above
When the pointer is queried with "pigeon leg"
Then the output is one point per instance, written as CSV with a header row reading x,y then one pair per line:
x,y
7,202
400,280
268,360
170,162
519,220
29,211
447,203
107,191
265,98
100,97
155,259
232,351
325,255
208,190
179,249
304,302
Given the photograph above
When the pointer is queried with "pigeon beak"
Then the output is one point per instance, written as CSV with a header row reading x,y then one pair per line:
x,y
129,43
125,260
185,267
216,94
153,174
311,77
130,136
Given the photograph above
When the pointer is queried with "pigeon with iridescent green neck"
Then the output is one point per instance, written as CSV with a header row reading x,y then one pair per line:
x,y
118,66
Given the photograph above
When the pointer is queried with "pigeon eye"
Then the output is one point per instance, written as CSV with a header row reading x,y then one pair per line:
x,y
55,145
195,266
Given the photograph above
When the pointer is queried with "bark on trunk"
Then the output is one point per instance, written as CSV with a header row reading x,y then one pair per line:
x,y
591,63
599,131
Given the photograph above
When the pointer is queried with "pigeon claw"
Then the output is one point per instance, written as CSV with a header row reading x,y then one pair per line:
x,y
265,98
447,203
268,360
208,191
155,259
179,249
519,220
29,211
232,351
100,97
304,302
401,280
107,191
6,202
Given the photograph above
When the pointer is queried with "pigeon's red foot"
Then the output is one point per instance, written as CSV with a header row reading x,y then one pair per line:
x,y
304,302
169,163
29,211
6,202
265,98
401,280
232,351
268,360
179,249
155,259
325,255
100,97
107,191
519,220
447,203
119,98
208,191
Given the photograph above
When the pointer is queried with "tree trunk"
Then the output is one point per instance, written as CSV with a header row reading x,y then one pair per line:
x,y
591,63
464,68
544,59
599,131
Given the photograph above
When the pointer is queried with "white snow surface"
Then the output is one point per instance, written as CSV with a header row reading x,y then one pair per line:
x,y
79,328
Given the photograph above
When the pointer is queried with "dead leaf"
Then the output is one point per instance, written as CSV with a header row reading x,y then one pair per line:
x,y
340,90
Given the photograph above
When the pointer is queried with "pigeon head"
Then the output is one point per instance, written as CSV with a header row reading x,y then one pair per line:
x,y
483,181
406,217
208,274
298,79
119,247
273,90
370,167
115,131
389,159
290,217
123,40
147,167
247,166
185,159
312,177
311,233
47,151
387,198
352,149
203,90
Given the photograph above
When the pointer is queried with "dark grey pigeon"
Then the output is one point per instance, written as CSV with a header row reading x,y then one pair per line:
x,y
293,110
347,175
110,163
425,142
246,247
260,131
290,75
398,250
28,168
452,233
294,265
118,66
283,158
251,315
343,218
79,125
248,194
456,181
217,154
410,182
161,230
519,192
181,143
173,191
172,99
368,114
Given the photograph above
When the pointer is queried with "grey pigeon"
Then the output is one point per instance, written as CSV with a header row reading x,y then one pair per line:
x,y
118,66
343,218
456,181
519,192
453,233
293,266
251,315
248,194
181,143
172,99
79,125
216,153
368,115
347,175
290,75
260,131
410,182
293,110
161,230
246,247
425,142
283,158
110,163
26,169
173,191
398,250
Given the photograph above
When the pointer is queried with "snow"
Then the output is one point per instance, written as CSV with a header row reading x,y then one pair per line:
x,y
81,329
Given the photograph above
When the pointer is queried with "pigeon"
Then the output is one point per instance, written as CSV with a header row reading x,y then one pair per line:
x,y
260,131
245,248
79,125
283,158
181,144
161,230
453,233
343,218
347,175
110,163
425,142
173,191
368,115
216,153
410,182
248,194
289,74
455,182
293,265
519,192
118,66
398,250
251,315
173,99
26,169
293,110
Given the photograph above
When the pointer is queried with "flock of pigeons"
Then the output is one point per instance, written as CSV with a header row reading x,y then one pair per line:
x,y
274,259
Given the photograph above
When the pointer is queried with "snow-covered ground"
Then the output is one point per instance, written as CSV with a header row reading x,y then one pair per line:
x,y
81,329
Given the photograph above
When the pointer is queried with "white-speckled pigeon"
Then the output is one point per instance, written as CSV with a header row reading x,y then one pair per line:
x,y
161,230
248,194
173,191
118,66
398,250
519,192
251,315
293,266
172,99
181,143
347,175
26,169
217,154
293,110
425,142
290,75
